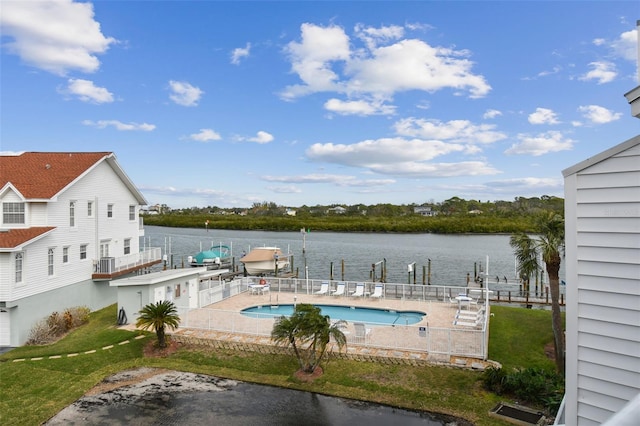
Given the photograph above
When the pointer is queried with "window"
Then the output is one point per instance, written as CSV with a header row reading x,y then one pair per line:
x,y
50,261
18,265
132,212
65,254
109,210
90,208
72,214
12,213
83,251
127,246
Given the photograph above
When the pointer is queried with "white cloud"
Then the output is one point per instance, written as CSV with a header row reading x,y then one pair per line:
x,y
491,113
86,91
339,180
599,115
205,135
602,72
184,93
454,130
56,36
311,58
626,46
261,137
370,153
541,144
325,62
359,107
540,185
543,116
289,189
239,53
373,36
118,125
437,170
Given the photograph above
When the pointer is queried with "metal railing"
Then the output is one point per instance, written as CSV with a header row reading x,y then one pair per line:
x,y
113,265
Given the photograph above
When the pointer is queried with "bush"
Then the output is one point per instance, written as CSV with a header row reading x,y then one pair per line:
x,y
530,385
49,329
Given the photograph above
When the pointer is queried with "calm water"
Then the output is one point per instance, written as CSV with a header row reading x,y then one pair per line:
x,y
452,256
347,313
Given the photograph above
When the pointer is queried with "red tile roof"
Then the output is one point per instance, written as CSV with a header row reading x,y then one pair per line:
x,y
14,237
44,174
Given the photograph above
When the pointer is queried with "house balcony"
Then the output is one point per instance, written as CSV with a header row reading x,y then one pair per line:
x,y
107,268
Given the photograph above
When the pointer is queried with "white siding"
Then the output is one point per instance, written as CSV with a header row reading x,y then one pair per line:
x,y
602,206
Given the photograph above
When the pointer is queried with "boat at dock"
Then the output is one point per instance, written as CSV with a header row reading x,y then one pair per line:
x,y
214,257
265,260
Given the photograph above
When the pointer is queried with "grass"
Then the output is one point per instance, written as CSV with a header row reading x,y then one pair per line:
x,y
34,391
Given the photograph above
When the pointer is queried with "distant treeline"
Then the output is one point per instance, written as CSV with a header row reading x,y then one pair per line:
x,y
452,216
404,224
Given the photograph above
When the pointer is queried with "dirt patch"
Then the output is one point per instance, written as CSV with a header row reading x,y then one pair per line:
x,y
308,377
550,351
124,378
151,349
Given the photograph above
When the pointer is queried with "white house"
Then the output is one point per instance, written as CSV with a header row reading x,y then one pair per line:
x,y
424,211
602,222
69,225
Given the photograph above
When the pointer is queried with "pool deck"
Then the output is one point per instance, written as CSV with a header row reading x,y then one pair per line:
x,y
397,341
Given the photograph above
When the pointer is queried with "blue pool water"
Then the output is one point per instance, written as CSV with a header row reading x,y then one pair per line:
x,y
346,313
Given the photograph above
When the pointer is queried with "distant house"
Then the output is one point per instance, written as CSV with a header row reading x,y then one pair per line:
x,y
290,212
337,210
424,211
70,223
602,220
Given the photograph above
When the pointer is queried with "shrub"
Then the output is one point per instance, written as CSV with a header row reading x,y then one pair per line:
x,y
49,329
533,385
40,333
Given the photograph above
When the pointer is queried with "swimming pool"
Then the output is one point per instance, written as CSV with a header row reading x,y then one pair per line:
x,y
347,313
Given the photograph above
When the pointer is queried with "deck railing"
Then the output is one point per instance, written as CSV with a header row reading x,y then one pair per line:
x,y
114,265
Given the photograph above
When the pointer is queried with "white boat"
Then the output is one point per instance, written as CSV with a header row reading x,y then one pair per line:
x,y
265,260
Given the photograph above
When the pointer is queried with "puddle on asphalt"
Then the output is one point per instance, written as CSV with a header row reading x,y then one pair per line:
x,y
225,402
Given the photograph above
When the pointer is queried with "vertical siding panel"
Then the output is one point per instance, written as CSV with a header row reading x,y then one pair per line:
x,y
602,210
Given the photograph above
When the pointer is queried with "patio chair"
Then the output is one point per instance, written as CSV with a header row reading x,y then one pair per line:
x,y
362,332
377,292
359,290
339,291
468,323
324,288
469,316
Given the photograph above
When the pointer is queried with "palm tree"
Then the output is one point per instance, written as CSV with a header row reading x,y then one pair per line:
x,y
550,246
158,316
308,332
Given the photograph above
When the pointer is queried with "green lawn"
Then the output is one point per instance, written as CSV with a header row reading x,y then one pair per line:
x,y
33,391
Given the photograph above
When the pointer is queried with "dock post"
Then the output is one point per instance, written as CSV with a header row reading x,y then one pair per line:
x,y
429,273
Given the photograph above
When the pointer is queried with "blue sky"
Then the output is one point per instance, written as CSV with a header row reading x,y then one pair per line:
x,y
305,103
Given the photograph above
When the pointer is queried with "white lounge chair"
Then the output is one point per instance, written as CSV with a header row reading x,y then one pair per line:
x,y
359,290
468,323
362,332
339,291
324,288
377,292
